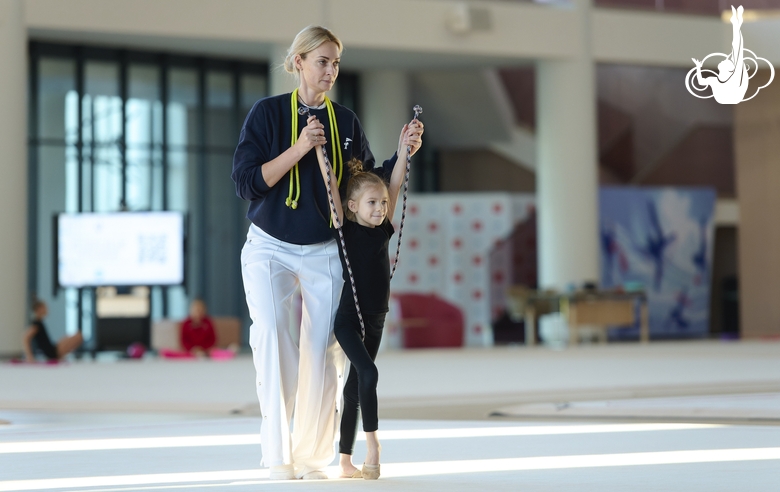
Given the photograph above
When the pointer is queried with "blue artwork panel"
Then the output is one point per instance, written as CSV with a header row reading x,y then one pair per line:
x,y
660,239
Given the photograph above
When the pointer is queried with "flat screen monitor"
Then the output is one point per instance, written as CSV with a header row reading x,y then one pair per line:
x,y
124,248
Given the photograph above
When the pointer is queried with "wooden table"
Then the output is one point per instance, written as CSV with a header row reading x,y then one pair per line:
x,y
598,309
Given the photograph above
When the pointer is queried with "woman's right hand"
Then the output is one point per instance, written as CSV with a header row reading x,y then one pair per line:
x,y
312,135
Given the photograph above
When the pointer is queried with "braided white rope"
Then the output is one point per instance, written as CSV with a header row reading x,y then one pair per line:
x,y
343,245
305,111
417,110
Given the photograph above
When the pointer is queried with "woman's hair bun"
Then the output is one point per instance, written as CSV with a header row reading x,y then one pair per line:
x,y
288,63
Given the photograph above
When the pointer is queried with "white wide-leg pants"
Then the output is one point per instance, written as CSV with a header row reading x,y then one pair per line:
x,y
306,376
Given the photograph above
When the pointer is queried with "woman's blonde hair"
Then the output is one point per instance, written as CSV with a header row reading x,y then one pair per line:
x,y
359,181
306,41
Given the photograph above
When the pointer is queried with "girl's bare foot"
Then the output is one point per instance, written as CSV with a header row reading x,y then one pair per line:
x,y
370,469
373,448
348,470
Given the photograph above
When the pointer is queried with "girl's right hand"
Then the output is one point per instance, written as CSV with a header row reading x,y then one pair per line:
x,y
406,139
312,135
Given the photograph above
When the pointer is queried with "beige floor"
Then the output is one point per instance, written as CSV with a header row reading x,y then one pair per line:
x,y
415,384
695,416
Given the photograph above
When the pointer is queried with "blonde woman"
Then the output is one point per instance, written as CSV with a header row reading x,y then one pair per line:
x,y
290,244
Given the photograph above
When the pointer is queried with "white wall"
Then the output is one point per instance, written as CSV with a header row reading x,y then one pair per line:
x,y
377,32
386,108
13,169
651,38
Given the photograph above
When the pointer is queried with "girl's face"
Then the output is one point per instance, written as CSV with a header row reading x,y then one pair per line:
x,y
197,310
42,311
370,208
320,68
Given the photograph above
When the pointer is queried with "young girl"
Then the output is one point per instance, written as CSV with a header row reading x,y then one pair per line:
x,y
37,337
367,232
197,331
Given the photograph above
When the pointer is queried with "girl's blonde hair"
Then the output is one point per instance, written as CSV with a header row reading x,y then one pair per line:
x,y
307,41
358,182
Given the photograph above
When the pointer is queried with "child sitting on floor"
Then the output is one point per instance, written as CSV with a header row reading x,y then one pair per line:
x,y
37,337
197,331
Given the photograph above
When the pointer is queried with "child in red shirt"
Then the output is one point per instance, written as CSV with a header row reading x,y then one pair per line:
x,y
197,331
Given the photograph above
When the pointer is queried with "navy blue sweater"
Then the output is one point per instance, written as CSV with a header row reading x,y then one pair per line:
x,y
264,136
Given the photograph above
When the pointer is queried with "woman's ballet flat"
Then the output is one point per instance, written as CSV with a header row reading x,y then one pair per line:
x,y
370,472
357,474
315,475
282,472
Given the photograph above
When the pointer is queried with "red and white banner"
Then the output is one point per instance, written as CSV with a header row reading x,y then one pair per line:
x,y
458,246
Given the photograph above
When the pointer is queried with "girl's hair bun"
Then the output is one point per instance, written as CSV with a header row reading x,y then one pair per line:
x,y
355,166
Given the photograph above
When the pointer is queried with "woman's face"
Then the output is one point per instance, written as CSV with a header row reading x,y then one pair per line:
x,y
320,68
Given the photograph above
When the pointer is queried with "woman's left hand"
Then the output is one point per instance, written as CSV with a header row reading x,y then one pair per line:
x,y
411,135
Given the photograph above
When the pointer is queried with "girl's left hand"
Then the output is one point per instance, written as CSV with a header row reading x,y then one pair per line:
x,y
411,135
